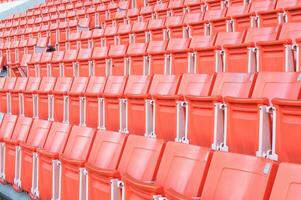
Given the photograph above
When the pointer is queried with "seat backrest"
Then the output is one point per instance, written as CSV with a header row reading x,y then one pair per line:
x,y
74,36
139,26
155,24
9,83
157,47
290,31
115,85
25,60
57,137
21,129
174,20
124,28
140,158
224,38
233,84
20,83
202,42
86,34
70,55
35,58
100,52
277,85
237,10
262,34
46,57
214,14
47,84
183,168
97,33
79,143
196,84
58,56
286,4
137,85
96,85
33,84
117,50
84,54
164,85
262,5
287,182
79,84
107,149
238,176
38,133
63,84
110,30
178,44
7,126
137,49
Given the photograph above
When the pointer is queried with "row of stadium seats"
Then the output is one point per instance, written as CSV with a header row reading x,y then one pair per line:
x,y
238,112
259,49
129,166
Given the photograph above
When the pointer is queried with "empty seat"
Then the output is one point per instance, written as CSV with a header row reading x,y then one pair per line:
x,y
226,84
276,16
84,61
109,35
20,133
166,104
73,41
239,177
45,64
70,67
93,94
73,158
99,61
144,152
118,65
139,32
174,27
156,51
46,86
156,29
177,50
245,134
75,100
86,39
54,146
33,65
181,174
30,100
136,91
242,57
16,96
113,91
97,38
136,53
146,12
56,66
280,55
36,139
287,182
123,34
4,94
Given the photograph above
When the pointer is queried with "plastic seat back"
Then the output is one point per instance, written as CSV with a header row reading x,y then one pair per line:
x,y
225,84
14,95
156,50
156,27
38,133
196,84
114,88
99,60
47,85
136,52
30,101
57,58
123,33
33,69
262,34
76,91
62,86
7,126
77,150
139,29
105,154
287,182
69,69
182,170
164,85
94,89
254,176
45,69
84,55
8,85
135,91
116,53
